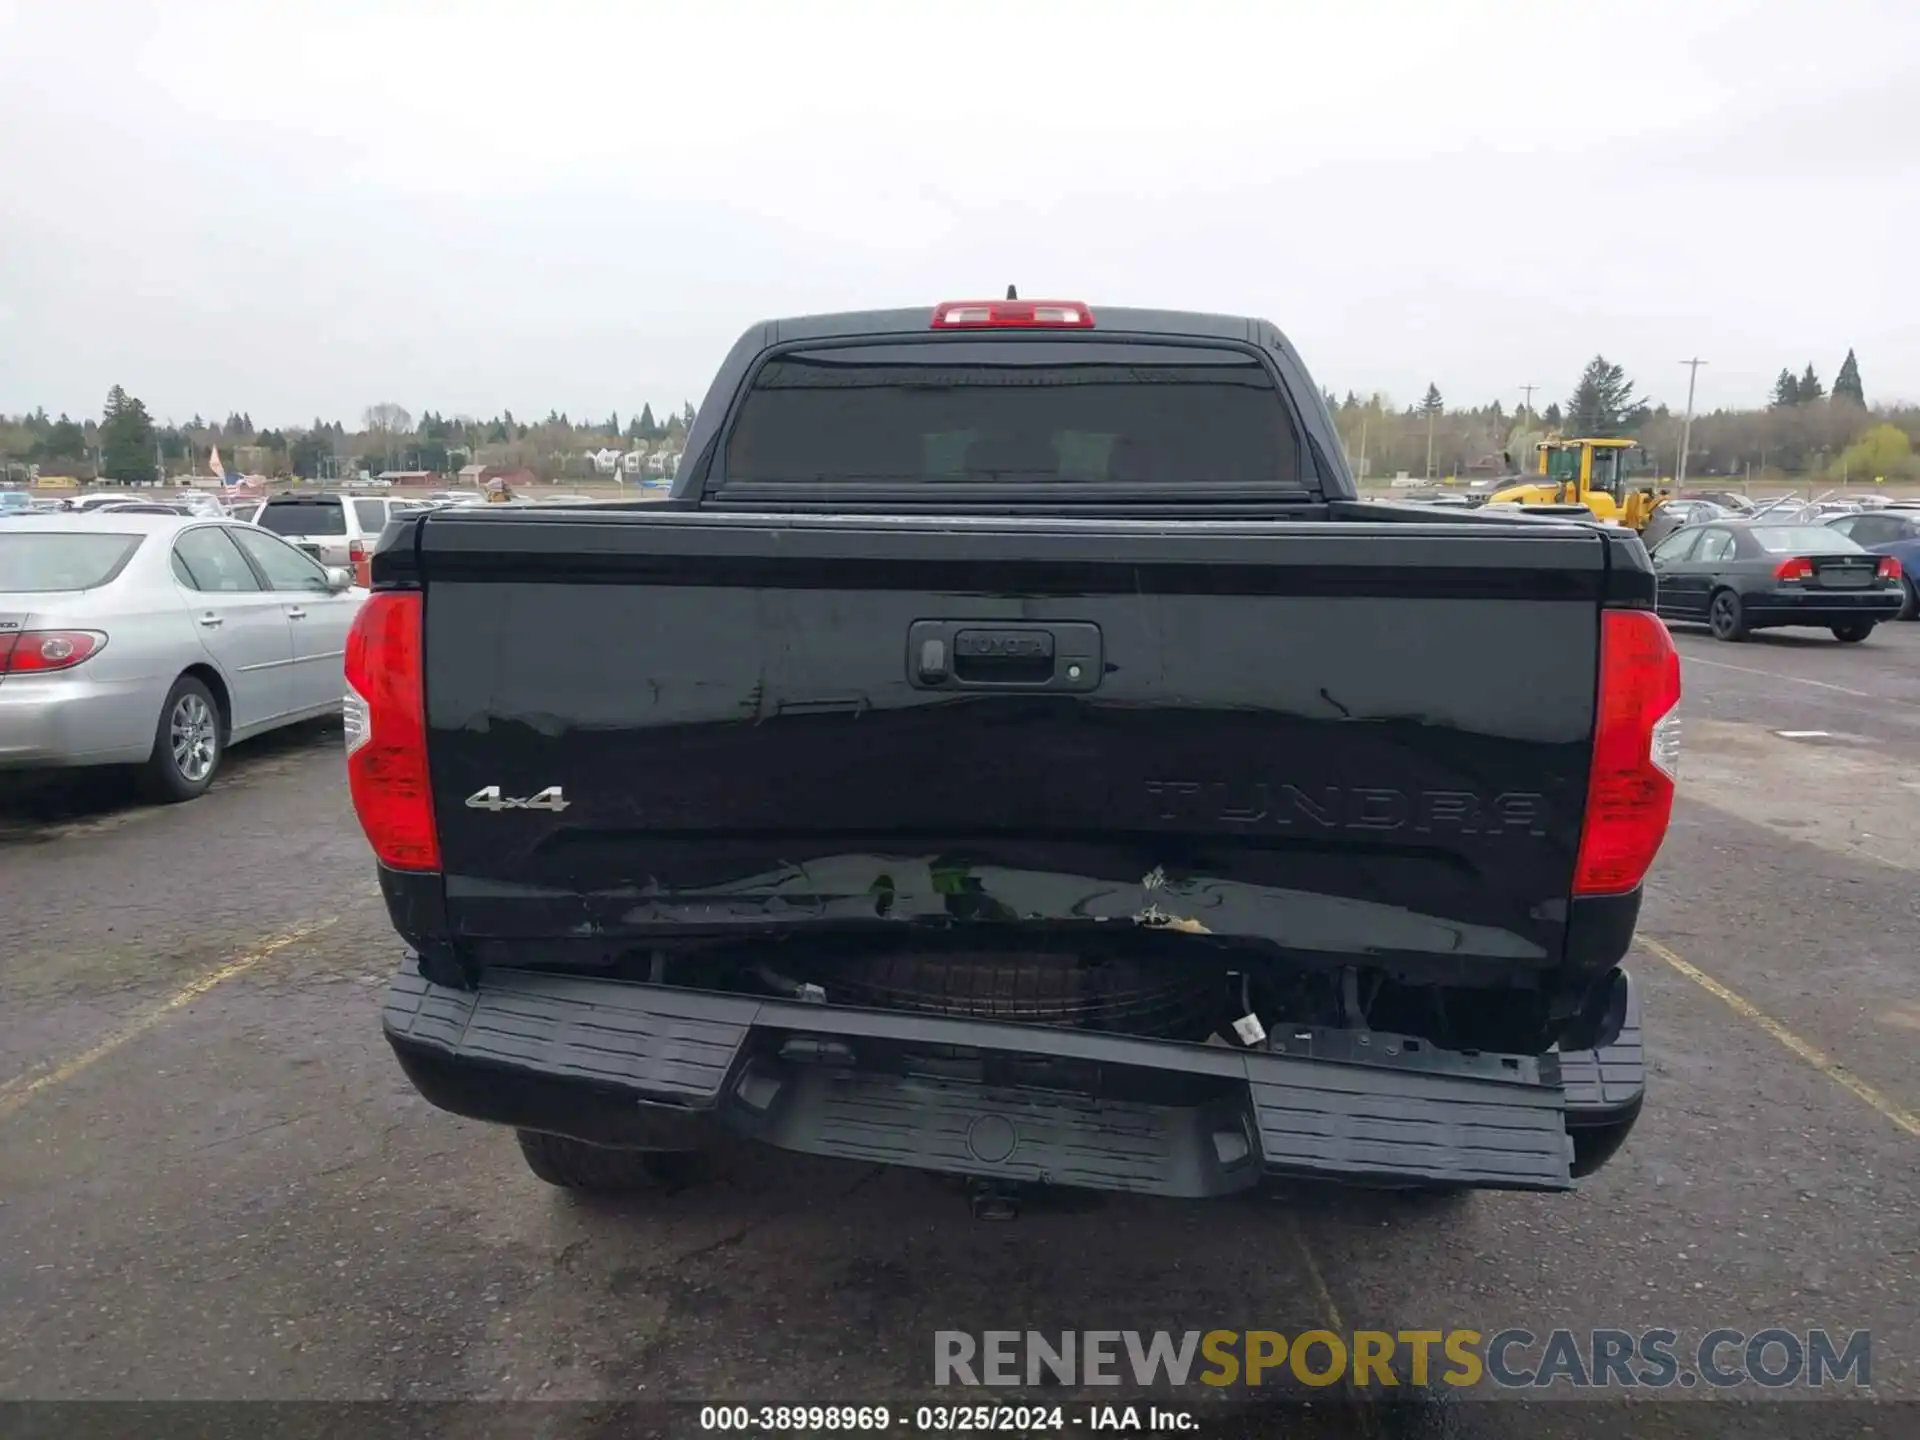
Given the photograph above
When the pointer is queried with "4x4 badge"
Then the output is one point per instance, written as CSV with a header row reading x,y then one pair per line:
x,y
490,798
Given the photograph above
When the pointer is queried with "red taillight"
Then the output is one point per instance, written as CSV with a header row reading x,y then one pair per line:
x,y
1888,569
1012,315
1636,746
1798,568
386,722
38,652
362,564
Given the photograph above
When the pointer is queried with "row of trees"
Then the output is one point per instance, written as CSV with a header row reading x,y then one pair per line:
x,y
1803,432
127,445
1805,388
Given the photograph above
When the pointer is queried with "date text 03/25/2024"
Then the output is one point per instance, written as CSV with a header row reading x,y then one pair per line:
x,y
942,1419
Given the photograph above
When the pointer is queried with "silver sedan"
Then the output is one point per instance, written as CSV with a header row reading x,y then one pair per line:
x,y
159,640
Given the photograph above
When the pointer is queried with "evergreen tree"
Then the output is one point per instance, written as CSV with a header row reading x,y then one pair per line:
x,y
1603,403
1431,403
1846,385
64,441
687,415
308,452
1786,391
649,429
126,439
1552,417
1811,390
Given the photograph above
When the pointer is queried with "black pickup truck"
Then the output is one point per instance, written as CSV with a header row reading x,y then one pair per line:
x,y
1013,751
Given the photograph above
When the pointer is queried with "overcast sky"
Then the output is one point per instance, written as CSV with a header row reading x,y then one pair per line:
x,y
295,208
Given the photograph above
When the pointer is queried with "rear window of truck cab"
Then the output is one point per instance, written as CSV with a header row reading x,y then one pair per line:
x,y
969,411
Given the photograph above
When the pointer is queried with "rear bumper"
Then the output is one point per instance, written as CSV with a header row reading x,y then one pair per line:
x,y
1821,607
53,720
616,1063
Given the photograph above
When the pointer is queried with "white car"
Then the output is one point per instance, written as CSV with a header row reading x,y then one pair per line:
x,y
199,502
333,529
159,640
94,499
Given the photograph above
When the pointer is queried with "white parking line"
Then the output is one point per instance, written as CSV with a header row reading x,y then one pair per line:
x,y
1687,659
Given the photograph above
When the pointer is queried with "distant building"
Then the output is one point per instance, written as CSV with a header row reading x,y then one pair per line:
x,y
472,477
410,477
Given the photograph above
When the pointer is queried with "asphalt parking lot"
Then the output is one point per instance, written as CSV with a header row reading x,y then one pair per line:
x,y
214,1182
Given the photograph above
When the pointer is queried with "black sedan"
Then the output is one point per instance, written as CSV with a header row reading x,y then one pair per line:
x,y
1740,576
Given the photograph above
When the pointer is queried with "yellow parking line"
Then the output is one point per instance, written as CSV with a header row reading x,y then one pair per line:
x,y
1812,1054
1332,1319
18,1091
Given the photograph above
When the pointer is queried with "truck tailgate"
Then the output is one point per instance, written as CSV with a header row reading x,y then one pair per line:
x,y
1340,739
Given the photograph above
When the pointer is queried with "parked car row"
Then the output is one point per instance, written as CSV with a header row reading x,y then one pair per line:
x,y
93,502
1829,536
1740,575
136,636
1735,565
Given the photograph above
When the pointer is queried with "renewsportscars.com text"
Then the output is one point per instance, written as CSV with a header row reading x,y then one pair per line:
x,y
1650,1359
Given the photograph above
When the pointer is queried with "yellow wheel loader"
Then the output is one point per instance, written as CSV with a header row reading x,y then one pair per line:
x,y
1599,474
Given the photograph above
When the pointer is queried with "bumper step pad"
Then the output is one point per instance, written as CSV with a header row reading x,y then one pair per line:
x,y
1608,1083
1373,1109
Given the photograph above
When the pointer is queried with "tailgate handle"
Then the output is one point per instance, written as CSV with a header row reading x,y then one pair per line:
x,y
970,655
1003,656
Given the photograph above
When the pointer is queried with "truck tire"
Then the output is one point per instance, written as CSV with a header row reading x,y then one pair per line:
x,y
596,1169
1726,617
188,745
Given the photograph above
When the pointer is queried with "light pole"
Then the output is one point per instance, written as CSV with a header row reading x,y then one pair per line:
x,y
1686,425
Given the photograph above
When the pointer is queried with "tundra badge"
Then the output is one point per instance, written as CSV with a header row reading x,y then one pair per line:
x,y
490,798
